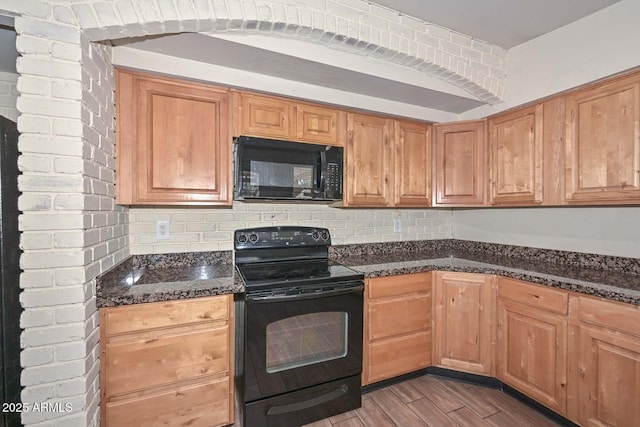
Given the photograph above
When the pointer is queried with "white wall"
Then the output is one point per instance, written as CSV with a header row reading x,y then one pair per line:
x,y
597,46
594,47
600,230
8,95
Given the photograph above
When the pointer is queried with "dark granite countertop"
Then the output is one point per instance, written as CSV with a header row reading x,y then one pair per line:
x,y
613,283
149,278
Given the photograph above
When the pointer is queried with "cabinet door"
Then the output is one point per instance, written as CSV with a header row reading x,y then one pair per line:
x,y
532,352
459,164
173,142
368,161
320,124
515,157
609,378
603,143
608,359
412,164
463,322
267,116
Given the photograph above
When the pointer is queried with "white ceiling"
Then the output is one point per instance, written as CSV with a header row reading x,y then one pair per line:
x,y
506,23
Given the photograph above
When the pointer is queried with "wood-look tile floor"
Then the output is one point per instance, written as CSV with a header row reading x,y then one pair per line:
x,y
438,402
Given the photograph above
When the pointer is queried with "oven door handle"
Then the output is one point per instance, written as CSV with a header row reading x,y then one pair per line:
x,y
310,295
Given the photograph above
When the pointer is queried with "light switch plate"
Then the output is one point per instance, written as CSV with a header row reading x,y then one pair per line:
x,y
163,230
397,225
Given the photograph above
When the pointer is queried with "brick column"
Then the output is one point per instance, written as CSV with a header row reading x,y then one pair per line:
x,y
71,228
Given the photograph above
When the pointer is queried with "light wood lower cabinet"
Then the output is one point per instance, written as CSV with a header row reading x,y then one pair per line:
x,y
168,363
577,355
532,341
397,335
607,353
464,332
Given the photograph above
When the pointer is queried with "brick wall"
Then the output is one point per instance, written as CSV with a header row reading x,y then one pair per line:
x,y
8,95
356,26
199,229
71,228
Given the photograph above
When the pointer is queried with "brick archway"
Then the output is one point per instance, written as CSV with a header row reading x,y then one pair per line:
x,y
359,27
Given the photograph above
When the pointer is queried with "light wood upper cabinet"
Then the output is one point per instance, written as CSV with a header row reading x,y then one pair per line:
x,y
608,362
464,312
532,341
174,145
267,116
603,143
412,164
387,162
320,124
397,332
282,118
167,363
515,157
459,164
368,161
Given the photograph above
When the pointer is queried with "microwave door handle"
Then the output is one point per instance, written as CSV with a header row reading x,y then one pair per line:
x,y
323,170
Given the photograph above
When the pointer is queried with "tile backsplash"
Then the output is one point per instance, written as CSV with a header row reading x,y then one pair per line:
x,y
197,229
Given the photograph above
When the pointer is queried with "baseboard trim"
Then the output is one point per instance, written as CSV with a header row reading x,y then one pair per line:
x,y
465,377
391,381
537,406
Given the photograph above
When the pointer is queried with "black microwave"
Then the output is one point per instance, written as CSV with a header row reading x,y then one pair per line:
x,y
284,170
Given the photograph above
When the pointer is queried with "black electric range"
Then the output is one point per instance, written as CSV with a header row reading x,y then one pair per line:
x,y
299,330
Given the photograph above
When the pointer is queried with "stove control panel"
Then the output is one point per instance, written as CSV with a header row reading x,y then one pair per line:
x,y
280,237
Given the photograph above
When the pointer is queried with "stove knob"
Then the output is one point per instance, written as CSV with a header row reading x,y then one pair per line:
x,y
315,235
253,238
242,238
325,235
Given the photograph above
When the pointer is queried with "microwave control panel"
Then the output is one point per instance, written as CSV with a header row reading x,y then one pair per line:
x,y
333,179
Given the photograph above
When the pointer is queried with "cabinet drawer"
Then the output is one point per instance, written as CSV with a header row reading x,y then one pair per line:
x,y
202,405
142,317
534,295
619,316
163,359
381,287
397,356
392,317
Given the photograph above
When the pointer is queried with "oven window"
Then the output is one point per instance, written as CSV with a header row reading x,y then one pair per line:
x,y
304,340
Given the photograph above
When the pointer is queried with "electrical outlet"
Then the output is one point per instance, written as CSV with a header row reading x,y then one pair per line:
x,y
163,230
397,225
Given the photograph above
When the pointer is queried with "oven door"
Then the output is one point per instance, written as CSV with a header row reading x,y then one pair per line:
x,y
294,342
